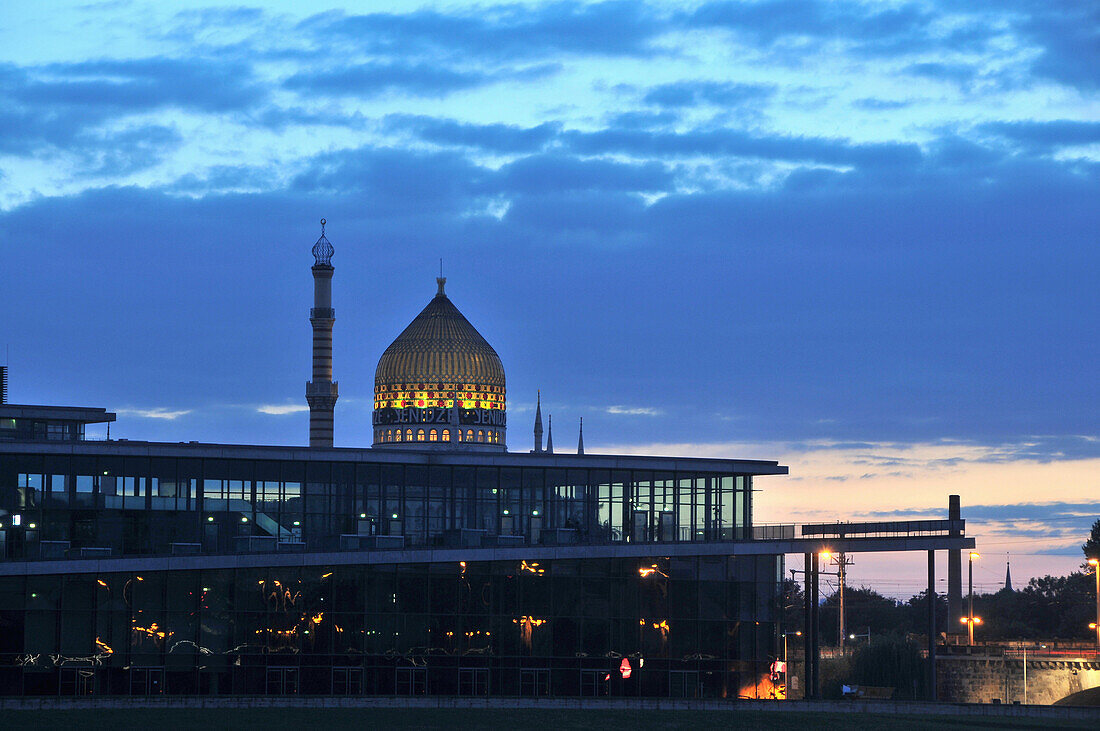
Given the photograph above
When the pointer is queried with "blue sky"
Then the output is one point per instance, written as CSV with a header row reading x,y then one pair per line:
x,y
837,233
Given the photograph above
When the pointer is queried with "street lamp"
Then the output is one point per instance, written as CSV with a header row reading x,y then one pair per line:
x,y
1095,563
796,634
866,634
970,620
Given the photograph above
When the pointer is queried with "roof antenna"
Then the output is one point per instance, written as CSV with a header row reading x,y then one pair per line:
x,y
440,280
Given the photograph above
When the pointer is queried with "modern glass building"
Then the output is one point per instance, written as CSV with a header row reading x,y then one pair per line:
x,y
157,568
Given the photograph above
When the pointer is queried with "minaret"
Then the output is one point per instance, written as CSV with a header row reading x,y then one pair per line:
x,y
321,392
538,421
550,434
580,439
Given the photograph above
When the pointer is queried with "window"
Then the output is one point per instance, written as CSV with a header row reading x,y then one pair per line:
x,y
433,436
446,435
347,681
595,682
473,681
419,435
398,437
534,682
480,435
411,681
282,681
408,435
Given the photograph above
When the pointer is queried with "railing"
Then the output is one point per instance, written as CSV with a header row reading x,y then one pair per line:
x,y
897,528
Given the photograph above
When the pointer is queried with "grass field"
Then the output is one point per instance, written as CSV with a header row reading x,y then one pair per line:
x,y
342,719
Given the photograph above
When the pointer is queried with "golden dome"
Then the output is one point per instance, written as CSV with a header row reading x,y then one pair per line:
x,y
439,347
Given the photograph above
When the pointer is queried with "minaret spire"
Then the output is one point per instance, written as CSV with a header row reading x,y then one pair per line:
x,y
538,421
580,439
321,392
550,434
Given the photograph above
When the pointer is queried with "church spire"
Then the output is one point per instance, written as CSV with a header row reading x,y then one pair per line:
x,y
550,434
538,421
1008,575
580,439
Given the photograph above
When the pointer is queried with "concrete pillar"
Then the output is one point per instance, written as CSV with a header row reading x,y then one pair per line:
x,y
954,570
932,625
807,633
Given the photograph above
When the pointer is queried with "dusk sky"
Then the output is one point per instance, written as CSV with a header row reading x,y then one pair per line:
x,y
860,238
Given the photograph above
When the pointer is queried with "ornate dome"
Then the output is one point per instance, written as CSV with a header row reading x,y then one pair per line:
x,y
440,346
441,382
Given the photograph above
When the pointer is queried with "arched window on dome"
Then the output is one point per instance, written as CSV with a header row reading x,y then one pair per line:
x,y
408,435
397,438
469,435
480,435
433,436
419,435
446,435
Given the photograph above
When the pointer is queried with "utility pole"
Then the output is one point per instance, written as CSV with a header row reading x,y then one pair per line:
x,y
841,561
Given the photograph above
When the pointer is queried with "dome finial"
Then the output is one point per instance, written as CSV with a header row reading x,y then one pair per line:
x,y
322,250
440,281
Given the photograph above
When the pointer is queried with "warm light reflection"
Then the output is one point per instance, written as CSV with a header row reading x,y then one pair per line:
x,y
103,646
647,571
532,567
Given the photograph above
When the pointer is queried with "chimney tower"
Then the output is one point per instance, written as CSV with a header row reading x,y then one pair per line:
x,y
321,392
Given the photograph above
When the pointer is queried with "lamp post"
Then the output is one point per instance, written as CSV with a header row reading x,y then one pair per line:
x,y
1095,563
970,603
786,663
866,634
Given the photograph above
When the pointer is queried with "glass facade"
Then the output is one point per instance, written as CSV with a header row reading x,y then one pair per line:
x,y
680,627
54,506
571,616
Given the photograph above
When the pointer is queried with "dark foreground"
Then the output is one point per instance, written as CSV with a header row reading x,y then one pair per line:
x,y
347,719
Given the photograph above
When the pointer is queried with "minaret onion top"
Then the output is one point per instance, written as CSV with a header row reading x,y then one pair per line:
x,y
322,250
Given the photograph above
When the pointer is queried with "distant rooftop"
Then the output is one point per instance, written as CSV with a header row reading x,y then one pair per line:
x,y
82,414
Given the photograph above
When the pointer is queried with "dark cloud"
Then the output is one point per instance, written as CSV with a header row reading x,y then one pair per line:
x,y
880,104
559,173
770,21
695,93
143,84
1045,136
616,28
740,143
1067,33
643,120
419,79
494,137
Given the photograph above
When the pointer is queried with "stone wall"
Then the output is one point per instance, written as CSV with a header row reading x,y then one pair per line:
x,y
983,679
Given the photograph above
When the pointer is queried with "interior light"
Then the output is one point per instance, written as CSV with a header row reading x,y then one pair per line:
x,y
31,525
362,515
210,518
297,522
534,512
244,519
394,516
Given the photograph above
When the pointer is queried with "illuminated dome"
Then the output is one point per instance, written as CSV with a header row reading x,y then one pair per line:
x,y
440,384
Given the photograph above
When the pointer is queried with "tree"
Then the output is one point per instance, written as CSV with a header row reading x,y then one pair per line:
x,y
864,609
1091,546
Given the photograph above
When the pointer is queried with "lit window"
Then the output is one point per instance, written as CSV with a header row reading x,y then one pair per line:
x,y
398,438
419,435
480,435
446,435
469,435
433,436
408,435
